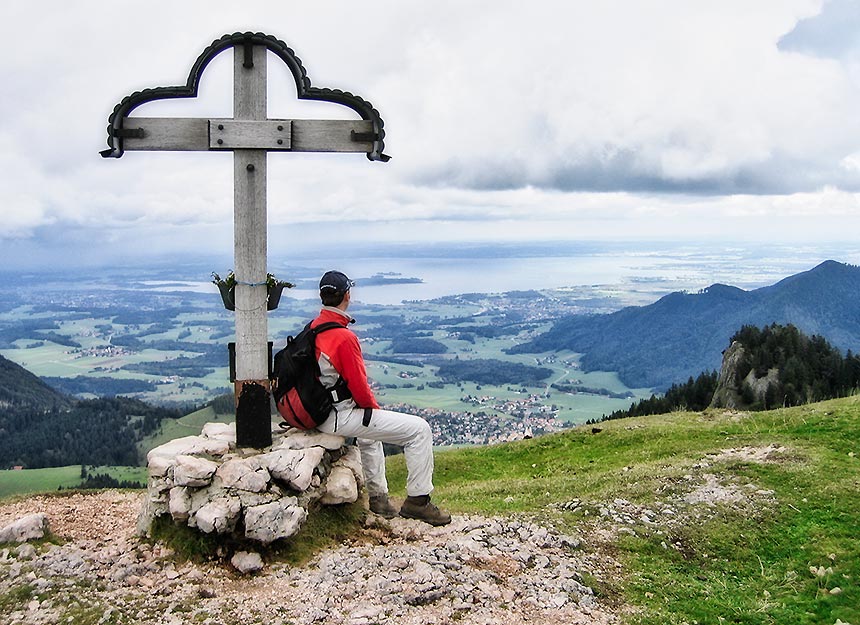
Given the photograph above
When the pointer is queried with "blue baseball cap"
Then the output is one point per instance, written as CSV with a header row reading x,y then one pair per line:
x,y
337,281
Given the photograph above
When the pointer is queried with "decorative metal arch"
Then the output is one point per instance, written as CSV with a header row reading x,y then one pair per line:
x,y
304,90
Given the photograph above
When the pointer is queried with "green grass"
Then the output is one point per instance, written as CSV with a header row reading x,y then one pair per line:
x,y
727,563
15,598
29,481
189,425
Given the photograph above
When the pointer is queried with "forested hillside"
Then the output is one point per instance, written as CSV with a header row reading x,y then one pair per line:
x,y
40,427
94,432
20,388
778,366
684,334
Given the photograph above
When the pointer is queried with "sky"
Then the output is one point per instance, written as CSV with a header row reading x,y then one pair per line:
x,y
715,120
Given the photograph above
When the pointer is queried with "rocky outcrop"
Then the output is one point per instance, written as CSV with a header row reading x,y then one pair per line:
x,y
735,374
209,484
728,392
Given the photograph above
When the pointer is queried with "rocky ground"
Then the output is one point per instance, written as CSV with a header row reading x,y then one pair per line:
x,y
474,571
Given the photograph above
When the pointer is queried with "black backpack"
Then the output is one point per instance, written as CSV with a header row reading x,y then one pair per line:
x,y
301,398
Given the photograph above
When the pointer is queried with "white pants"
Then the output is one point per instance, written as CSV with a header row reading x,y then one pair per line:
x,y
386,426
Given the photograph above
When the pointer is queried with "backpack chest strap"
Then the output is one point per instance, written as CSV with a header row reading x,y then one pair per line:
x,y
340,391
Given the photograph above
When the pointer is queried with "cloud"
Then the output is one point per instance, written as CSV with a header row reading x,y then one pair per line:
x,y
535,119
689,99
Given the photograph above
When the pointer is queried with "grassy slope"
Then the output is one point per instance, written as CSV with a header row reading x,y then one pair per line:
x,y
47,480
189,425
745,561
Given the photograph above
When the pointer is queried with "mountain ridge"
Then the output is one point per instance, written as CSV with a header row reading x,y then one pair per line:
x,y
683,334
21,388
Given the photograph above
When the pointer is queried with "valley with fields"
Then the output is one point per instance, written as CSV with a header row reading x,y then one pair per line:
x,y
481,368
168,345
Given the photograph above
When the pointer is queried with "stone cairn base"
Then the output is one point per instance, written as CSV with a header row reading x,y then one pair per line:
x,y
261,495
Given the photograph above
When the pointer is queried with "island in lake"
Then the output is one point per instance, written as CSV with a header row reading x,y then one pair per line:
x,y
388,277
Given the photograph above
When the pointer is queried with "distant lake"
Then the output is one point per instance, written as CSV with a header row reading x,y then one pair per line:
x,y
650,269
495,268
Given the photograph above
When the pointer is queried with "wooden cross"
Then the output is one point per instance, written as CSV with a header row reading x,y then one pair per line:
x,y
250,135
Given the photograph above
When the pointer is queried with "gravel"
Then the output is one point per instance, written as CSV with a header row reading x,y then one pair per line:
x,y
476,570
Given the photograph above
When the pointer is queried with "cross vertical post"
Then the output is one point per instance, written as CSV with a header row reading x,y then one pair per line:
x,y
250,244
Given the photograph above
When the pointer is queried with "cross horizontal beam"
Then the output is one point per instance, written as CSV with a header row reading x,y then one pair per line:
x,y
200,134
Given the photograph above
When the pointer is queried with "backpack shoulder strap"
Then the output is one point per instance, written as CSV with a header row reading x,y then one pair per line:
x,y
340,389
328,325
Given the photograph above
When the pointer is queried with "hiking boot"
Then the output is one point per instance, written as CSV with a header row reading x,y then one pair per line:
x,y
380,505
420,508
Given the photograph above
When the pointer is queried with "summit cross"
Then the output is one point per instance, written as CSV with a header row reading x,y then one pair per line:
x,y
250,135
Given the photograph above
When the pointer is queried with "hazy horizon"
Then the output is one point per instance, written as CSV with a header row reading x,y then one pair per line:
x,y
478,266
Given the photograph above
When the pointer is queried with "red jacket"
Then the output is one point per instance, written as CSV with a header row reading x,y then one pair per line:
x,y
341,349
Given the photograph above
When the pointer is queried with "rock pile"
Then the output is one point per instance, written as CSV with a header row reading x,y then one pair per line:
x,y
263,495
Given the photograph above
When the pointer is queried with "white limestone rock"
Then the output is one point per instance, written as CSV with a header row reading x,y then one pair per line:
x,y
188,445
272,521
159,485
28,552
244,474
30,527
294,466
157,466
219,516
154,505
225,432
247,562
193,471
341,487
179,504
351,459
202,496
249,499
304,439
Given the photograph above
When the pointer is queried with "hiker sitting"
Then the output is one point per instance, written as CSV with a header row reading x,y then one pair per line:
x,y
360,416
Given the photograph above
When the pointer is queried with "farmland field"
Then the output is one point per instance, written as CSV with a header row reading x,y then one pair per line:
x,y
28,481
174,344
